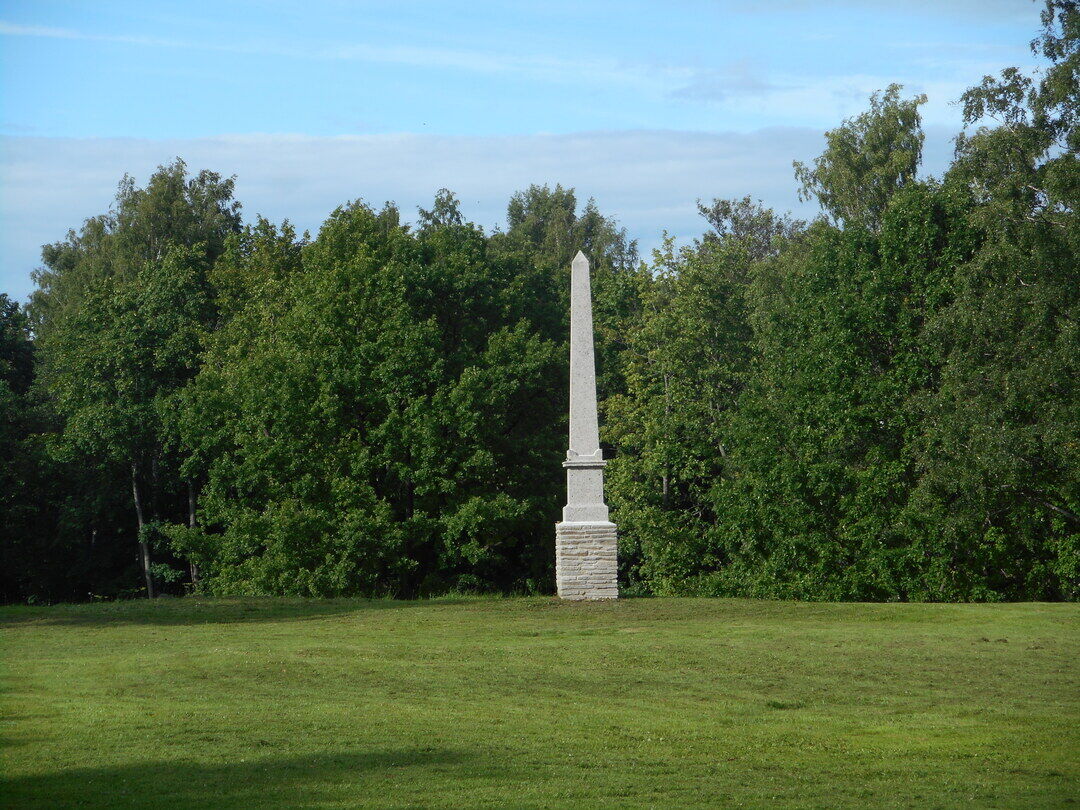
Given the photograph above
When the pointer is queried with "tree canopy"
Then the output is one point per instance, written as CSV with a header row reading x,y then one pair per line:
x,y
881,404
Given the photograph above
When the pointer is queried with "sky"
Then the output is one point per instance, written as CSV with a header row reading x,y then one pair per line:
x,y
645,106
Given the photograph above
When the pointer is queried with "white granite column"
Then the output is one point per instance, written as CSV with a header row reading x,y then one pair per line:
x,y
585,540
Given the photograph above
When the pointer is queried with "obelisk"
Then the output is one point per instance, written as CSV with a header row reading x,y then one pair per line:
x,y
585,540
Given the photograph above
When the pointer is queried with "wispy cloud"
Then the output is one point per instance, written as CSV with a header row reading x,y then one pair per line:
x,y
1016,9
739,87
739,78
590,70
15,30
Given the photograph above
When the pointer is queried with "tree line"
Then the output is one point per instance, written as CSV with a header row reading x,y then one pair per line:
x,y
881,404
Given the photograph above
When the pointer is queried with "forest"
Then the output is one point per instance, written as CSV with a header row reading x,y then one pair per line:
x,y
880,404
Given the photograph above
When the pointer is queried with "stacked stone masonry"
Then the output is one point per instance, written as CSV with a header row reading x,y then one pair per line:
x,y
586,565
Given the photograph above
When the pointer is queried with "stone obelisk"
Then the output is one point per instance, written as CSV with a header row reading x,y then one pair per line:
x,y
585,540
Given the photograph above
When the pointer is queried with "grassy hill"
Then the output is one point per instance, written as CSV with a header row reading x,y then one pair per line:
x,y
536,703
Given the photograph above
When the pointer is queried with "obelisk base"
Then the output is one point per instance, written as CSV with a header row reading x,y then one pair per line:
x,y
586,564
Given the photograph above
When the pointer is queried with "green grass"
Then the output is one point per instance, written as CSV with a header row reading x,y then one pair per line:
x,y
537,703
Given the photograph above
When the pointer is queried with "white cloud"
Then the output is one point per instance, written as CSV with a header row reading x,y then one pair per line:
x,y
822,99
648,180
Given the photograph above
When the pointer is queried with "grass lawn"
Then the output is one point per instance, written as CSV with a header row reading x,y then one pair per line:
x,y
267,703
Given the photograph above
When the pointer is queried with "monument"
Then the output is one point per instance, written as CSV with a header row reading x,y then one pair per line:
x,y
585,540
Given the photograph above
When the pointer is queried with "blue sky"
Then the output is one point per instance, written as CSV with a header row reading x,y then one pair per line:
x,y
647,106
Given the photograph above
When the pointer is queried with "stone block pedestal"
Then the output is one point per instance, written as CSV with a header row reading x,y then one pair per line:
x,y
586,565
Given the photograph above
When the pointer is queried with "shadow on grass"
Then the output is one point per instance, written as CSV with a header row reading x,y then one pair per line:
x,y
196,610
355,777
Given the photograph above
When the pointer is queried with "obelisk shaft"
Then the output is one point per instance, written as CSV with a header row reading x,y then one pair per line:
x,y
586,563
584,430
584,460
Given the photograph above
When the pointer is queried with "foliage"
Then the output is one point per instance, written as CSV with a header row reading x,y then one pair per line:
x,y
62,526
686,363
880,406
821,439
388,433
867,160
760,231
544,233
1000,453
119,318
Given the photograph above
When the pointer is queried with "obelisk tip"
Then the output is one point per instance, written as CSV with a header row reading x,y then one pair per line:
x,y
580,257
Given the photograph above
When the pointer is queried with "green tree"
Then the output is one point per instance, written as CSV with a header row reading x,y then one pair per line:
x,y
1000,455
866,160
822,436
116,361
59,523
544,232
381,424
687,359
173,209
120,315
18,464
761,232
882,405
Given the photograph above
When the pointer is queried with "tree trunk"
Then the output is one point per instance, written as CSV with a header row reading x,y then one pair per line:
x,y
410,487
144,549
191,525
152,490
665,497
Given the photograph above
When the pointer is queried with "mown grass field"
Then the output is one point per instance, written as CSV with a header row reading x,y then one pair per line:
x,y
537,703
